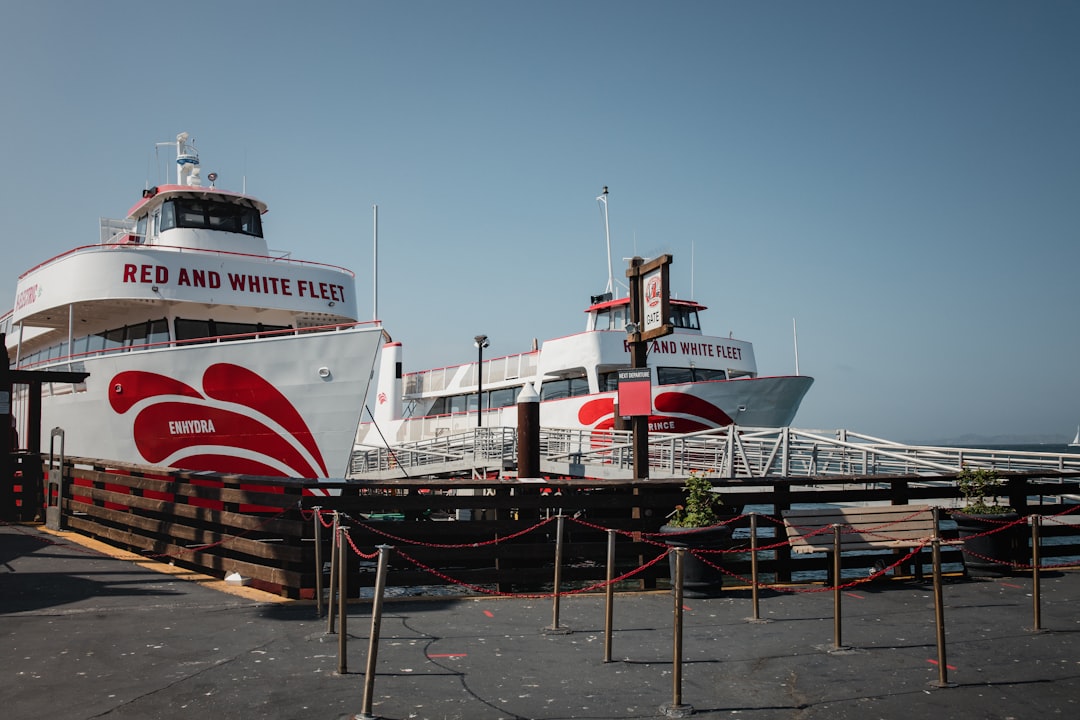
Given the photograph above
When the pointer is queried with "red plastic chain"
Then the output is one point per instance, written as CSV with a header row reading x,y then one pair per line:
x,y
324,523
456,546
531,596
470,586
1002,525
826,588
594,526
1069,511
691,531
356,550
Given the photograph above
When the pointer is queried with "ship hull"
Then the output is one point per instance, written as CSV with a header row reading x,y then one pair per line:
x,y
680,408
285,406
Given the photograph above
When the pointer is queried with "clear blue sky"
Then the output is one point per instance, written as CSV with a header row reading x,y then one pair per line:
x,y
902,178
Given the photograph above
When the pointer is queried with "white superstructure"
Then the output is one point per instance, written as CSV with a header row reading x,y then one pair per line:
x,y
699,381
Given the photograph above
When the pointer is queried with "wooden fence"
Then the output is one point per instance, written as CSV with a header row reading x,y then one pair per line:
x,y
264,528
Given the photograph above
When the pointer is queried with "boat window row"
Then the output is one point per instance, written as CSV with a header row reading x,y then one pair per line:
x,y
565,387
193,331
678,375
684,317
556,389
466,402
149,333
616,318
609,381
211,215
144,333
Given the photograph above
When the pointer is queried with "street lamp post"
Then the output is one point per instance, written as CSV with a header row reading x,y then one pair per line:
x,y
481,342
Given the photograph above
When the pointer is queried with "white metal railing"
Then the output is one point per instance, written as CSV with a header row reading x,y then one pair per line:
x,y
496,370
730,452
114,230
475,449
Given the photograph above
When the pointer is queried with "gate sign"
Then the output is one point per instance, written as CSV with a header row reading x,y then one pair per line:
x,y
655,310
635,392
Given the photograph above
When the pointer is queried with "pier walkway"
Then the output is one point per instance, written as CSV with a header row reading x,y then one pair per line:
x,y
90,635
727,452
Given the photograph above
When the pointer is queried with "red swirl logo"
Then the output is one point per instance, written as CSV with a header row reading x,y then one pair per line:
x,y
600,413
238,423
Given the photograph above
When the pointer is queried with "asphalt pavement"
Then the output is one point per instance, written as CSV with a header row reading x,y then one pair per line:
x,y
91,632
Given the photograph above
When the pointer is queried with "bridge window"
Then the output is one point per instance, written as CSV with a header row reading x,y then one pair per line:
x,y
211,215
613,318
684,317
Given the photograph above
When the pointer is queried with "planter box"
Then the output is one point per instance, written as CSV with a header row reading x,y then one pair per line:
x,y
700,580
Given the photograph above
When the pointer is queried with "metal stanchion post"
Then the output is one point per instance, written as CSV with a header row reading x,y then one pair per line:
x,y
318,561
676,709
756,618
609,594
373,640
837,644
1036,561
333,574
343,633
939,611
555,627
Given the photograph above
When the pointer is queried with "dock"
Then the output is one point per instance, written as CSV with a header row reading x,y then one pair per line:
x,y
91,632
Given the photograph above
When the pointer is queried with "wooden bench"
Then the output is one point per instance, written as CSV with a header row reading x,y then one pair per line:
x,y
863,528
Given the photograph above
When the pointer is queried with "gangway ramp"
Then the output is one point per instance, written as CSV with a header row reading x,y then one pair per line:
x,y
728,452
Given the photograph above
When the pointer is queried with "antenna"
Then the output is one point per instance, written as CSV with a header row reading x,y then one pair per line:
x,y
692,295
602,200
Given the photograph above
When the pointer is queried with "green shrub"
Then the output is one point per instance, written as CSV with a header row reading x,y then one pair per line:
x,y
980,490
702,505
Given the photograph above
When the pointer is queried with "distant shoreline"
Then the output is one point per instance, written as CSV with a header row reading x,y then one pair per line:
x,y
994,441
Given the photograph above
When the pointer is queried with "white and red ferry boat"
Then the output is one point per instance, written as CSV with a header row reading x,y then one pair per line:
x,y
699,382
205,350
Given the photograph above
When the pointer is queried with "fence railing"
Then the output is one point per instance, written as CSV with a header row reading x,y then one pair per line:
x,y
474,532
727,452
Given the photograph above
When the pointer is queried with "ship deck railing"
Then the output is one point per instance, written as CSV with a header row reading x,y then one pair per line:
x,y
125,240
729,452
75,361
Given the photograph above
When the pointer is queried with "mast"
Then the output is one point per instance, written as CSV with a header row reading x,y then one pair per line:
x,y
795,333
602,199
187,161
375,265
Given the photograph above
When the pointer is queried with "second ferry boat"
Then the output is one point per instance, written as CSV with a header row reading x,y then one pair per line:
x,y
699,382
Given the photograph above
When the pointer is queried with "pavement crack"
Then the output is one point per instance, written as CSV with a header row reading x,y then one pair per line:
x,y
185,678
798,699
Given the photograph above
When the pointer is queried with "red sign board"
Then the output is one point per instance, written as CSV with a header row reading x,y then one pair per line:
x,y
635,392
